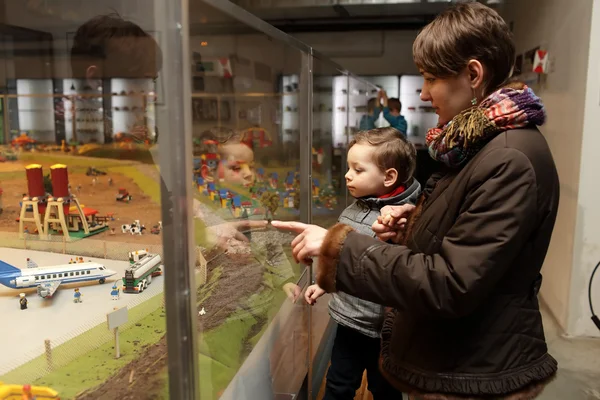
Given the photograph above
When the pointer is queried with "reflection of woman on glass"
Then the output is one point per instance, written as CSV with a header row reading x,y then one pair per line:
x,y
465,322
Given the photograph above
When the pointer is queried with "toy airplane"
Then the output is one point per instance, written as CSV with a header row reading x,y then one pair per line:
x,y
48,279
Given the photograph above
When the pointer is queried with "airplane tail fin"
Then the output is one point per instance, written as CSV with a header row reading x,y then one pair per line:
x,y
31,263
7,268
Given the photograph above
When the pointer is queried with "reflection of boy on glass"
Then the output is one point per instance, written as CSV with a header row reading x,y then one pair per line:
x,y
367,121
236,156
381,163
391,111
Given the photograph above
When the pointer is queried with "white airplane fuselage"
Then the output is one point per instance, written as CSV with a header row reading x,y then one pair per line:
x,y
66,273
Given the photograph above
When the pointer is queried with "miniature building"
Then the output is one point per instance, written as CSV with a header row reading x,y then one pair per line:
x,y
236,207
257,138
74,219
315,187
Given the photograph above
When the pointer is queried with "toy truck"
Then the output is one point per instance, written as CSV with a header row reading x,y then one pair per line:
x,y
123,195
139,275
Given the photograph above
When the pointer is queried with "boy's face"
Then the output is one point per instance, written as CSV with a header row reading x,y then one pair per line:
x,y
237,161
364,178
395,113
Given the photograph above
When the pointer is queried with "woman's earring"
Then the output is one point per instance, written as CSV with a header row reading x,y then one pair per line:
x,y
474,101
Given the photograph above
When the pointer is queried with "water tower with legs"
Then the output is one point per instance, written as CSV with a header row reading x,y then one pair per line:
x,y
34,203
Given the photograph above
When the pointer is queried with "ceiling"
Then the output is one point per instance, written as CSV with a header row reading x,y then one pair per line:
x,y
343,15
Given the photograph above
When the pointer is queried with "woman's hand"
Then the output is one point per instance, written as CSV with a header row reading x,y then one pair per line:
x,y
228,233
308,243
392,221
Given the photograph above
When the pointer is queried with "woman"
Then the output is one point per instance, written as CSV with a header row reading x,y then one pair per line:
x,y
464,321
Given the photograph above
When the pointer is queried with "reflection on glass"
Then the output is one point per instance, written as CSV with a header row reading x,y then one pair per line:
x,y
246,134
81,261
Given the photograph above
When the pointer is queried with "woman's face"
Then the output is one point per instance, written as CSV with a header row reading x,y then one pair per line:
x,y
449,96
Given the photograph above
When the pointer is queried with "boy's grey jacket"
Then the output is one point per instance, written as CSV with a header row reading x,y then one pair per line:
x,y
350,311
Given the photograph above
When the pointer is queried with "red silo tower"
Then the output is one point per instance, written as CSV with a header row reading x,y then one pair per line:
x,y
33,203
35,181
60,181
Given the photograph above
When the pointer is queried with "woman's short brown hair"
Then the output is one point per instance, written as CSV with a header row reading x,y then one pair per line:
x,y
466,31
392,150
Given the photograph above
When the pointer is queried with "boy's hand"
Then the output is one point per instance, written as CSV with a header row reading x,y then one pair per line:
x,y
313,292
292,291
391,222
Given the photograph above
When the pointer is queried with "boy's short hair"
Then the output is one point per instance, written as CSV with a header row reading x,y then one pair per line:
x,y
392,150
394,104
221,136
463,32
119,48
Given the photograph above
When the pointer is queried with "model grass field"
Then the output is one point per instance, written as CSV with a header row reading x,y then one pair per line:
x,y
242,294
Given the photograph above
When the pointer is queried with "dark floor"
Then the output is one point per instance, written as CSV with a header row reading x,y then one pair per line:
x,y
579,365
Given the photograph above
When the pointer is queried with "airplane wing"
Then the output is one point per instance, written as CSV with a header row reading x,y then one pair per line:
x,y
46,290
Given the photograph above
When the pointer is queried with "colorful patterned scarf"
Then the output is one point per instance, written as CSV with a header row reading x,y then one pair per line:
x,y
511,107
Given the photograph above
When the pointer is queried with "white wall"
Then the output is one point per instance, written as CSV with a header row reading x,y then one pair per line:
x,y
587,231
563,28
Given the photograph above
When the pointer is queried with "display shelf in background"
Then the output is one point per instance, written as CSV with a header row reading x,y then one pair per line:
x,y
37,117
290,125
417,112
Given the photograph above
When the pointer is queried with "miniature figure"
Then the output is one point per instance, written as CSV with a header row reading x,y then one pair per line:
x,y
77,296
78,188
115,292
27,395
110,182
23,301
112,232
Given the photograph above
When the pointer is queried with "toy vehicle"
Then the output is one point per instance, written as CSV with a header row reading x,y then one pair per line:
x,y
10,156
123,195
17,392
139,275
94,172
48,279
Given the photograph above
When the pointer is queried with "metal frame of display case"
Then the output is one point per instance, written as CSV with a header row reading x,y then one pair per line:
x,y
176,203
176,167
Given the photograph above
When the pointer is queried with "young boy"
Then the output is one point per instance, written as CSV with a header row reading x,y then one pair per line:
x,y
391,111
381,163
367,121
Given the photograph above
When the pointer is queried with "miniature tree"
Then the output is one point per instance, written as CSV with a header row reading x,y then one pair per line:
x,y
270,201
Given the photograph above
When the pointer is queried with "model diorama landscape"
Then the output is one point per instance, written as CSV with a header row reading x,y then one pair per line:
x,y
82,236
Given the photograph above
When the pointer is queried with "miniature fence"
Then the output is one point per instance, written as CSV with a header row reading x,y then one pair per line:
x,y
49,356
89,247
